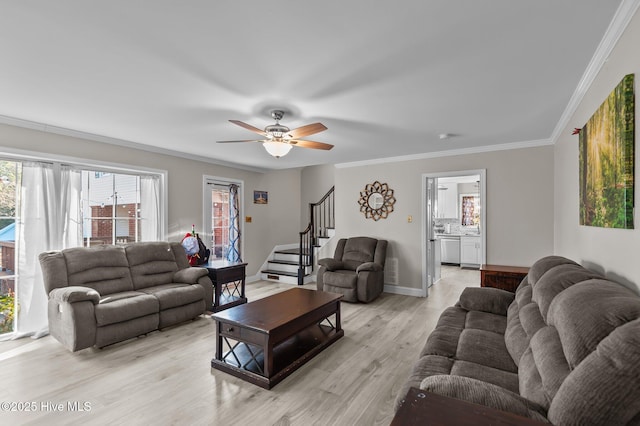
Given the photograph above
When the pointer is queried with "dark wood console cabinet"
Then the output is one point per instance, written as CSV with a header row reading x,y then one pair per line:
x,y
503,277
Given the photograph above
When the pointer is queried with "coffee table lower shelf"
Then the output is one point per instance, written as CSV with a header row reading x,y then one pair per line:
x,y
245,360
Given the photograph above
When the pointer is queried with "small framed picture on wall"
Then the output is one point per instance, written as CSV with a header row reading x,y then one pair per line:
x,y
260,197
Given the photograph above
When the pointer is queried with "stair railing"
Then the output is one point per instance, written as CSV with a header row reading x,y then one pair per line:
x,y
321,218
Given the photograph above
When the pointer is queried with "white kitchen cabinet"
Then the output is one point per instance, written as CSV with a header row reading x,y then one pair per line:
x,y
448,200
470,251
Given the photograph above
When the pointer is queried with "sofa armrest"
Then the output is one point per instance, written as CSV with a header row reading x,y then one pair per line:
x,y
190,275
483,393
369,266
486,299
73,294
331,264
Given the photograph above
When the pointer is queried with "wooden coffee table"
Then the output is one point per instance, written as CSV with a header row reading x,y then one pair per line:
x,y
264,341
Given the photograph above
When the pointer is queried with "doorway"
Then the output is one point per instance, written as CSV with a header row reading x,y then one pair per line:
x,y
454,212
223,227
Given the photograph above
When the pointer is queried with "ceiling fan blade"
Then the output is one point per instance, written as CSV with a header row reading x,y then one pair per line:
x,y
245,140
248,127
307,130
311,144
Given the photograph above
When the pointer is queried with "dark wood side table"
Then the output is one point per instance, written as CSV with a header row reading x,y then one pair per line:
x,y
425,408
501,276
228,283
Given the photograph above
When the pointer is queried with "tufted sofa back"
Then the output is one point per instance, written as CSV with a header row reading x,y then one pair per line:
x,y
102,268
575,338
154,263
113,269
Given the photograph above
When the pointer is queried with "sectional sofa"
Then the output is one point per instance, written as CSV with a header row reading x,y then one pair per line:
x,y
565,348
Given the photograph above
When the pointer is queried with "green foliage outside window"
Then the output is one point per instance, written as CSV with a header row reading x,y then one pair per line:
x,y
7,312
9,175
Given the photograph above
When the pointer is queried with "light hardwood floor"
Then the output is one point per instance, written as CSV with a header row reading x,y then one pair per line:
x,y
166,378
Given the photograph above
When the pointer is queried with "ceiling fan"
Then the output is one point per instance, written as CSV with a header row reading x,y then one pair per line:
x,y
278,139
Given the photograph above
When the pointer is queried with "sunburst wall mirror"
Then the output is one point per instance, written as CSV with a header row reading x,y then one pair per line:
x,y
376,201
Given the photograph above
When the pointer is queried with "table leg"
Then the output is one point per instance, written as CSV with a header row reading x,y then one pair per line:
x,y
268,357
338,326
219,341
217,290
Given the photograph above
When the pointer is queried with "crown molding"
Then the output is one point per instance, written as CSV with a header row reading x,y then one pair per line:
x,y
618,25
27,124
447,153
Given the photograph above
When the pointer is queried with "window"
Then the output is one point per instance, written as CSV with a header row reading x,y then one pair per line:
x,y
54,205
110,208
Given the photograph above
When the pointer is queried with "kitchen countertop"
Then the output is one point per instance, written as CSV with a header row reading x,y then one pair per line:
x,y
457,234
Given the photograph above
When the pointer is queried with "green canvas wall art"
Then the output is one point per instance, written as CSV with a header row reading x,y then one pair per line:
x,y
607,161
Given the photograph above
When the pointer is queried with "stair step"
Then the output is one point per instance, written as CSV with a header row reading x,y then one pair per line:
x,y
276,272
287,262
292,251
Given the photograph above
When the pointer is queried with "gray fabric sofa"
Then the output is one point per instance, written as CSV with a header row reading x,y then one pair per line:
x,y
356,270
565,348
106,294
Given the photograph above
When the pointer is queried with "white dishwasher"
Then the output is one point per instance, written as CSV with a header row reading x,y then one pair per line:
x,y
450,246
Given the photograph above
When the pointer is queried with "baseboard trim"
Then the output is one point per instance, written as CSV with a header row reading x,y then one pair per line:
x,y
405,291
252,278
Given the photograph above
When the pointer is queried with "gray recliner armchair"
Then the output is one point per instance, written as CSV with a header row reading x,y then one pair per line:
x,y
356,269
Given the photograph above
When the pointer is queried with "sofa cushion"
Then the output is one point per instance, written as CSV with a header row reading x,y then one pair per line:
x,y
429,365
151,264
563,277
487,394
531,319
543,265
603,389
442,341
453,316
486,299
586,313
102,268
486,321
505,379
548,368
340,278
485,348
173,295
515,338
124,306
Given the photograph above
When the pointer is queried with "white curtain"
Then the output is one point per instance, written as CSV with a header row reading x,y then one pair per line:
x,y
150,209
49,220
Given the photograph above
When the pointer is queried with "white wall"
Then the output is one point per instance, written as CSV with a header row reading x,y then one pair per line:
x,y
315,182
609,251
275,223
519,205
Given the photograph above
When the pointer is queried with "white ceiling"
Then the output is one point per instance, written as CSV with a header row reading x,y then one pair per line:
x,y
385,77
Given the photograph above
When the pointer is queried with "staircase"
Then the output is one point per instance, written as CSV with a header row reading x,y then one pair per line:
x,y
295,263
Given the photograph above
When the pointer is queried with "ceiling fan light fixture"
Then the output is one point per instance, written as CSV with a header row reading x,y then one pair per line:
x,y
277,149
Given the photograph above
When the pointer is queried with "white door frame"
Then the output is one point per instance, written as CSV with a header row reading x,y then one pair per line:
x,y
206,209
483,216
